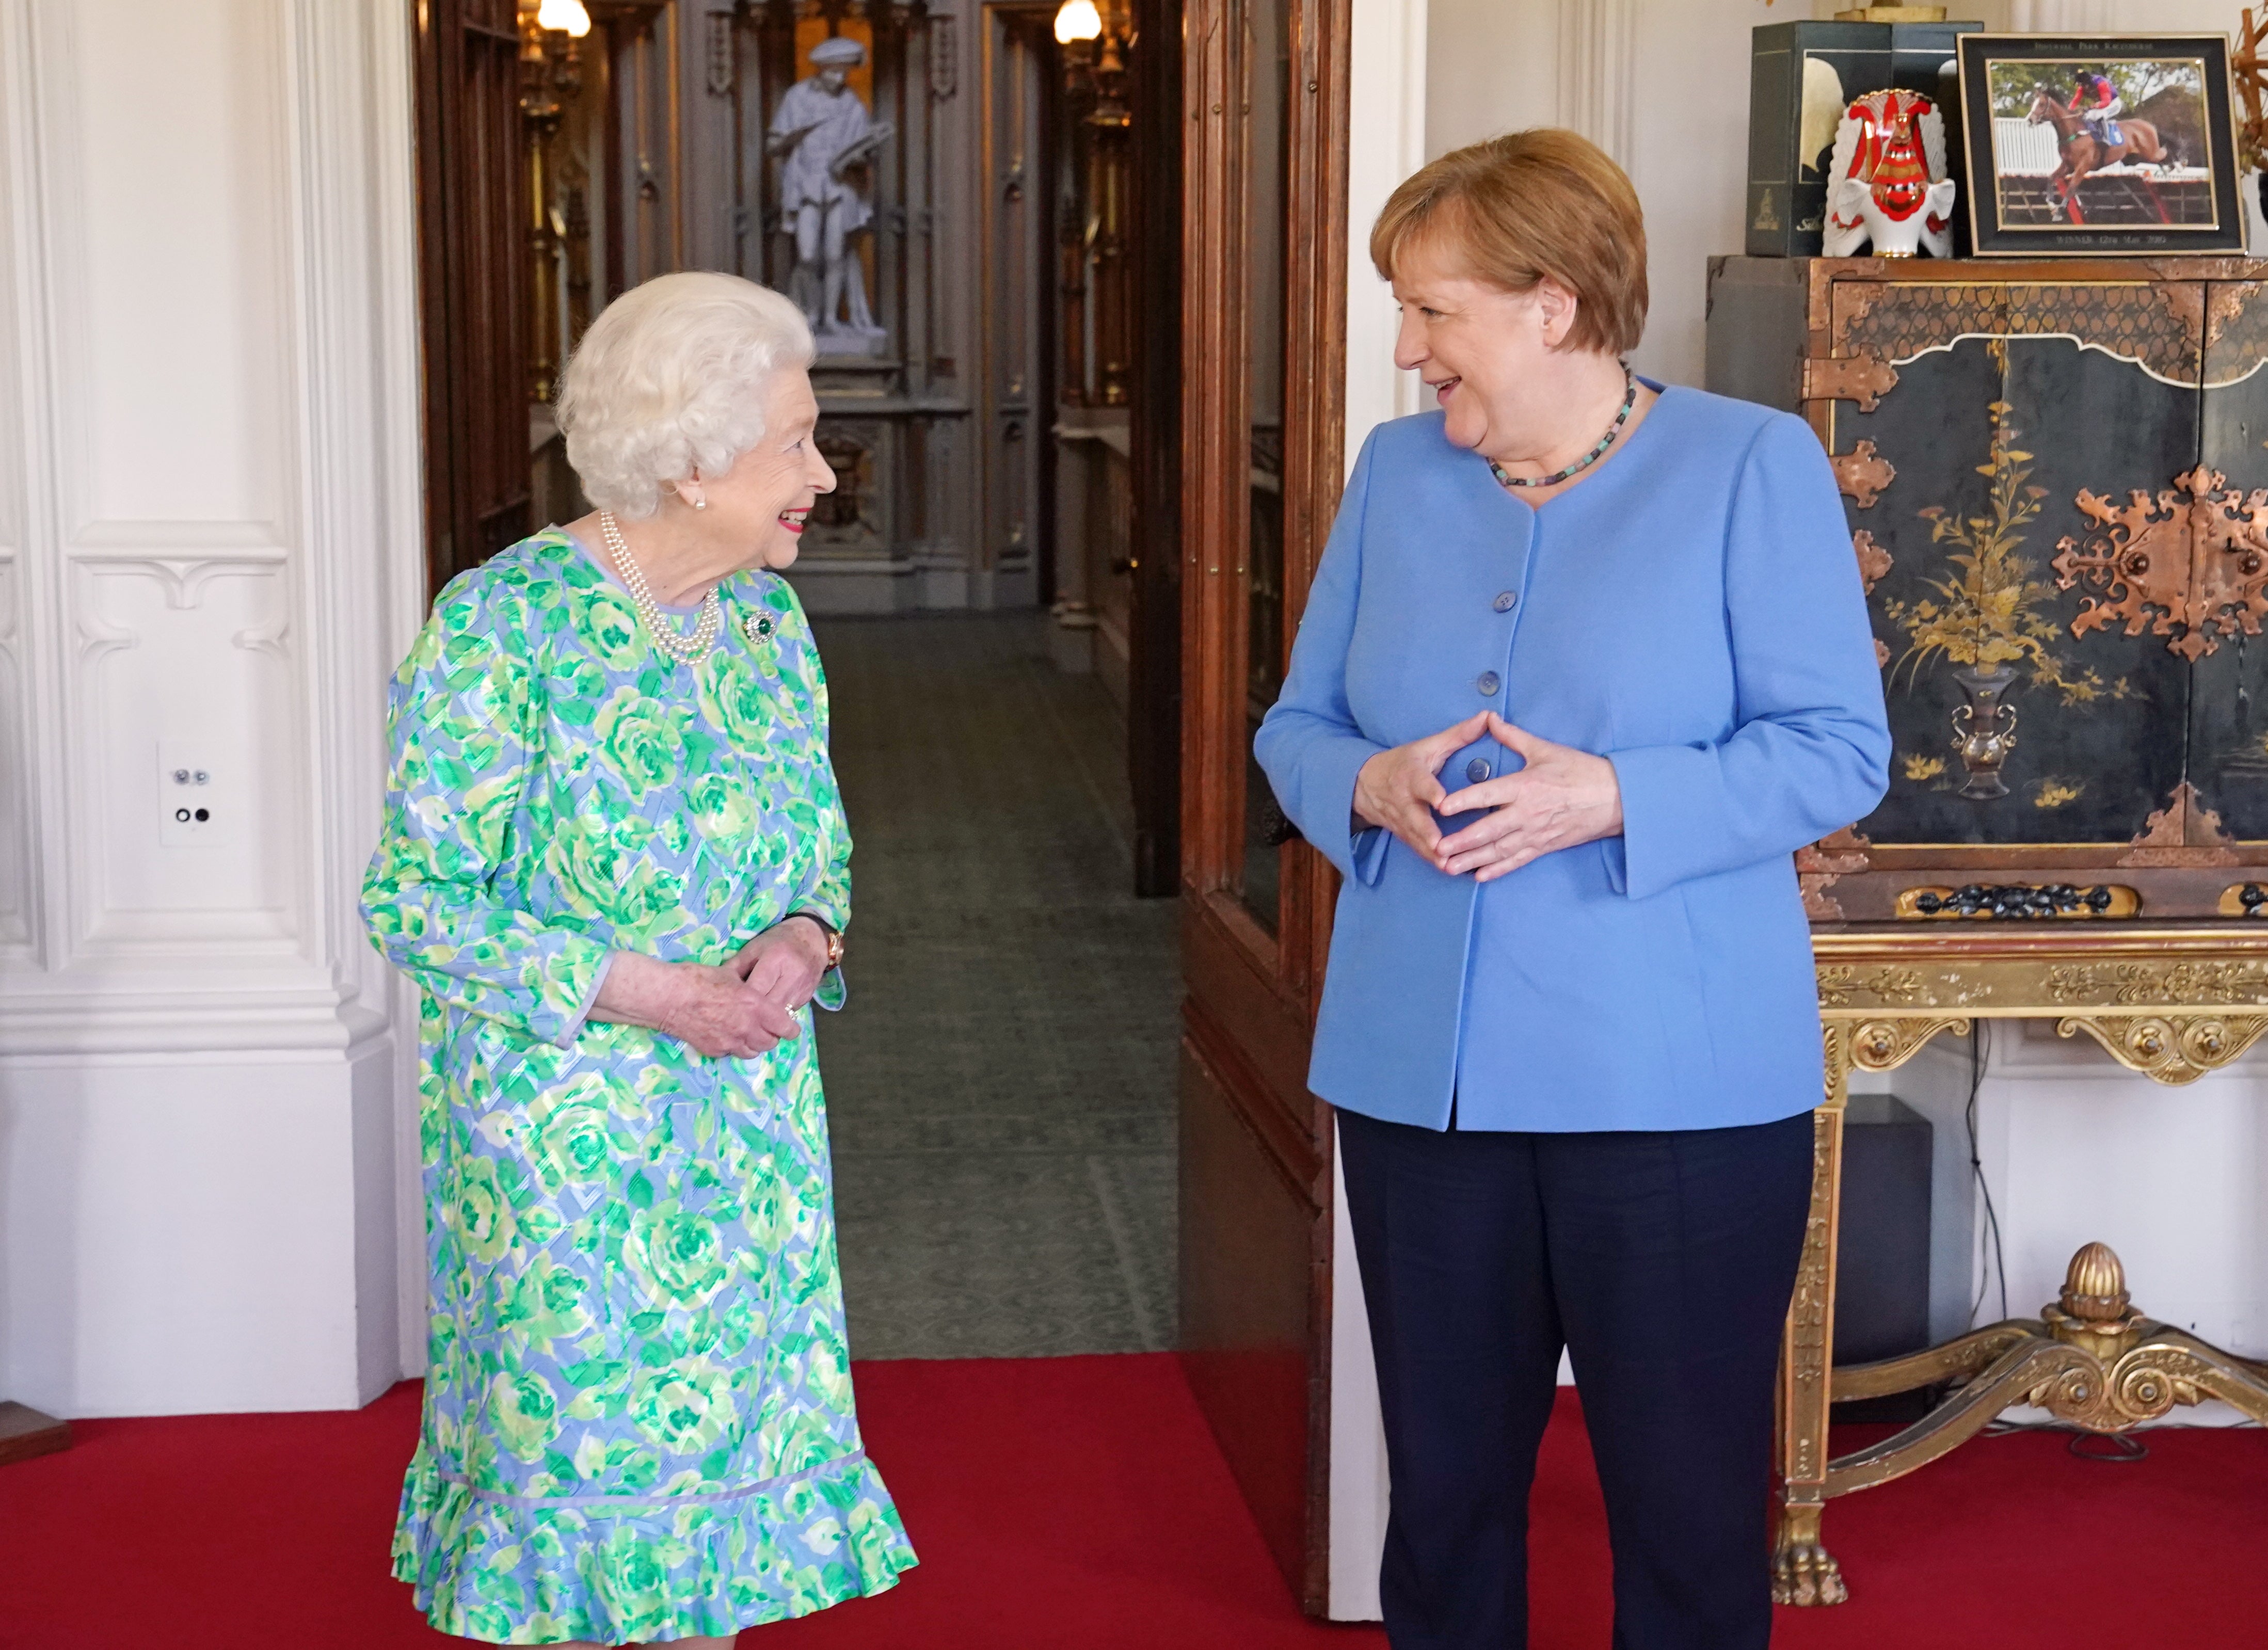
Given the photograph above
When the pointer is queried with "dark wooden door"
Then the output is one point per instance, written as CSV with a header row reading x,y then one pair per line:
x,y
1263,360
474,279
1155,239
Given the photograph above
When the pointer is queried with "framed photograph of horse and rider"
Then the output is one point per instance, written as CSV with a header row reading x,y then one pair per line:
x,y
2100,144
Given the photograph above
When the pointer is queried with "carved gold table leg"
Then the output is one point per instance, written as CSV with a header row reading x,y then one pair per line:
x,y
2089,1359
1803,1573
1803,1570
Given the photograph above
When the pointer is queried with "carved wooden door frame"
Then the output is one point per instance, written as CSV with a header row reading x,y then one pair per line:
x,y
473,281
1256,1172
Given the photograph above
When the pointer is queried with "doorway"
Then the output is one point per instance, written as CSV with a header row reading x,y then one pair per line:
x,y
1001,1085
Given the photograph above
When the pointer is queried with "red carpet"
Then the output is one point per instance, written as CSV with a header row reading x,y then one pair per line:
x,y
1079,1502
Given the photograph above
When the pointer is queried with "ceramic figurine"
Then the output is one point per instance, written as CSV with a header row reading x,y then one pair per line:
x,y
1886,182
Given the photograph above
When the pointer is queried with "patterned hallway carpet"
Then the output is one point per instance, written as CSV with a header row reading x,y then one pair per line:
x,y
1000,1085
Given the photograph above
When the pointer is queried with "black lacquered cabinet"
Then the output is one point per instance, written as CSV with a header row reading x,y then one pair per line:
x,y
2055,475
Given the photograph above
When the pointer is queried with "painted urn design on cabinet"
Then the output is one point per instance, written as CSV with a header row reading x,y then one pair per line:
x,y
1989,615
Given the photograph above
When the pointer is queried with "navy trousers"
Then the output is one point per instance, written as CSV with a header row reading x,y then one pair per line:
x,y
1663,1263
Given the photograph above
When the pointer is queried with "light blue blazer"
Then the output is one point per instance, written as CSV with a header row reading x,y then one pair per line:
x,y
1693,613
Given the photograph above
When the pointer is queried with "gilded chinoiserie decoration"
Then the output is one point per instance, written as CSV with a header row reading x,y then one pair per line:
x,y
2193,569
2171,1048
1841,985
2169,984
2019,900
2185,832
1883,1045
1864,378
1990,616
1863,475
2143,321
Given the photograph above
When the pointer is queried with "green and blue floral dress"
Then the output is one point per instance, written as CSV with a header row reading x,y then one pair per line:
x,y
638,1421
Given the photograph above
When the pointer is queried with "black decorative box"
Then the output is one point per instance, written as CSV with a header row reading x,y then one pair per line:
x,y
1802,77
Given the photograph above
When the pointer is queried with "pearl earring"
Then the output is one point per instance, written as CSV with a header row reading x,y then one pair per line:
x,y
700,503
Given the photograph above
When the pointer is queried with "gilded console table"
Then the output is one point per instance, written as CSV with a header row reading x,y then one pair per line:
x,y
2171,1001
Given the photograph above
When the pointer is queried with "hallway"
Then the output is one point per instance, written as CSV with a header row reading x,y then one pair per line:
x,y
1000,1083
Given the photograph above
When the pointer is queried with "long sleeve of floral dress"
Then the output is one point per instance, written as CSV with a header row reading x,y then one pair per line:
x,y
443,898
638,1419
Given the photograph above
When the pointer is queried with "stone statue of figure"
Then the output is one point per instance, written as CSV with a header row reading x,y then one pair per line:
x,y
823,130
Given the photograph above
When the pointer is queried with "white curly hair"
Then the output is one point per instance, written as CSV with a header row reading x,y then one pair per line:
x,y
670,379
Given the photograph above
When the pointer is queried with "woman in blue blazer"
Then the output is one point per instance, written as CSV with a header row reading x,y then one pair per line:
x,y
1585,661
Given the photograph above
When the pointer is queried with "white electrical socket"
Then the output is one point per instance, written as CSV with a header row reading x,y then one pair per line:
x,y
195,809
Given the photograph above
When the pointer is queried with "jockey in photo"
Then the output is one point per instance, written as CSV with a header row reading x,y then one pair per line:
x,y
2096,100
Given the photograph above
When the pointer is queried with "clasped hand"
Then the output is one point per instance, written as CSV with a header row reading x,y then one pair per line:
x,y
1562,796
743,1009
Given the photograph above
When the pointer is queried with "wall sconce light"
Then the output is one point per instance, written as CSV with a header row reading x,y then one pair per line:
x,y
1076,20
1095,39
566,16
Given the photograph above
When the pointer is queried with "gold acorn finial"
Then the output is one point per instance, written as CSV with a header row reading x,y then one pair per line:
x,y
2095,1287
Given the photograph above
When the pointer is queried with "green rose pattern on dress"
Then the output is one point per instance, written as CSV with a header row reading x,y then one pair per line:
x,y
638,1421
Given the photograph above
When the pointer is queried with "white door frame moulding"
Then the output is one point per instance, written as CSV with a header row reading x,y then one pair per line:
x,y
345,560
1385,103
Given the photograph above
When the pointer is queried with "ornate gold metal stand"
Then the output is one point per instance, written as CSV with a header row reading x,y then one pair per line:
x,y
2172,1003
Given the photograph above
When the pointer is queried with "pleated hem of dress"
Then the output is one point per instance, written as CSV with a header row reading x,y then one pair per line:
x,y
526,1572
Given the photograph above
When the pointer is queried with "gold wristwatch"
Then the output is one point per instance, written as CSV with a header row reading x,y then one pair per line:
x,y
834,936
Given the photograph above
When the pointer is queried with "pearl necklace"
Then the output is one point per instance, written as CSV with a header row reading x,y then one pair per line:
x,y
1629,400
686,649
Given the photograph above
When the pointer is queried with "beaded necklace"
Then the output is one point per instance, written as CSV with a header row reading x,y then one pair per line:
x,y
1629,400
686,649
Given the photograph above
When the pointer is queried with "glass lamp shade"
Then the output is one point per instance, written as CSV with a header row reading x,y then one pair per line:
x,y
1076,20
567,15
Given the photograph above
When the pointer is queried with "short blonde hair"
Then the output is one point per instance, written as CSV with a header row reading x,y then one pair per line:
x,y
670,379
1515,208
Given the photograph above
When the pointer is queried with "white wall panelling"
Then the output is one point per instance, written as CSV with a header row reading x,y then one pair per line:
x,y
1385,99
209,541
1598,63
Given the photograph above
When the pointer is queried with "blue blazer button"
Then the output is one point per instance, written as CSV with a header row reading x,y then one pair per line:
x,y
1503,603
1477,770
1488,684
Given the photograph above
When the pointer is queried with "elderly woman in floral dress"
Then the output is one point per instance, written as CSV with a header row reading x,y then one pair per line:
x,y
616,864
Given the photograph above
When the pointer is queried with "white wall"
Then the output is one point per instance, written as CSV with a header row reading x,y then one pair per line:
x,y
1661,85
208,556
2075,1150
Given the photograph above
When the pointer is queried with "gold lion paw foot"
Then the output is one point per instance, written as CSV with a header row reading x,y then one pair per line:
x,y
1804,1572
